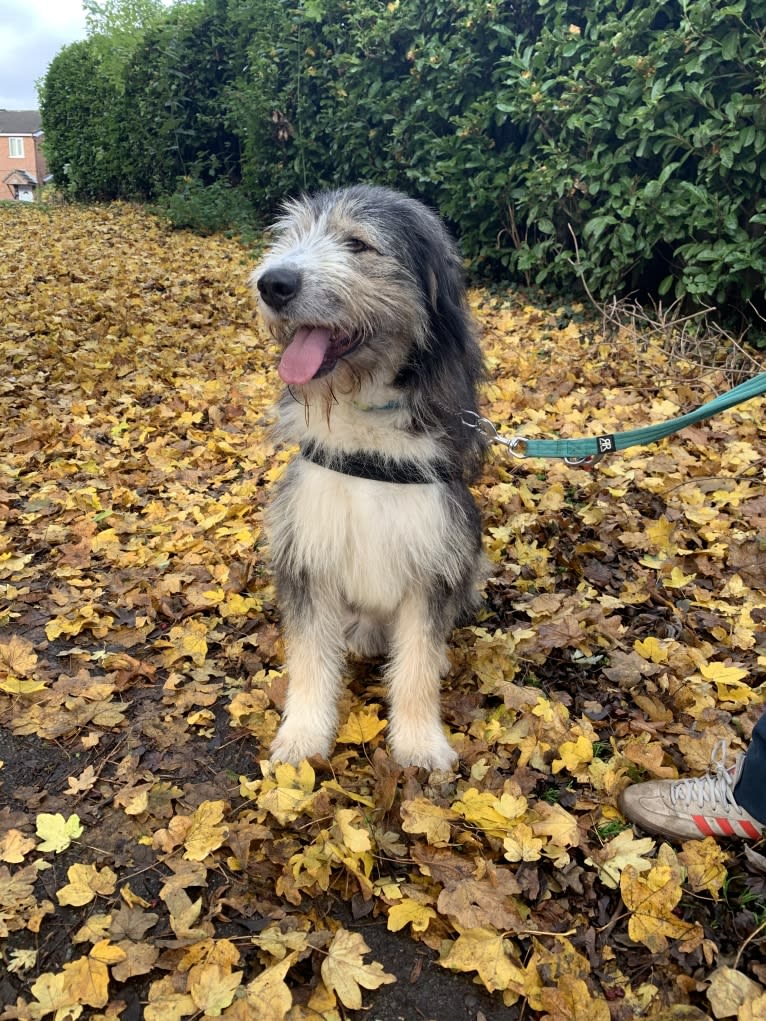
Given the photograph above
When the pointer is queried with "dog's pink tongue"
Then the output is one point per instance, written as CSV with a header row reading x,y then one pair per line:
x,y
304,354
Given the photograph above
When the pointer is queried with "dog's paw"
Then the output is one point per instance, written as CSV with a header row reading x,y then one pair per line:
x,y
429,750
293,745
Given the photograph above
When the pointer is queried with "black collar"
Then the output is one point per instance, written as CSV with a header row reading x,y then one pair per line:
x,y
363,465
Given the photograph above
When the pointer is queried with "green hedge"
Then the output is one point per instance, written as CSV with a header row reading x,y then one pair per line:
x,y
82,144
175,100
631,132
647,139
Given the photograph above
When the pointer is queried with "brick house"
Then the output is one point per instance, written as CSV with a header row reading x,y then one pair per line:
x,y
22,164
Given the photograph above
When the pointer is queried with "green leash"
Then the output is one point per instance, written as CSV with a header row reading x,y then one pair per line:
x,y
584,453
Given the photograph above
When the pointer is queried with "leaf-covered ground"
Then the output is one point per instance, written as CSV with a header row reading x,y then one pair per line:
x,y
153,864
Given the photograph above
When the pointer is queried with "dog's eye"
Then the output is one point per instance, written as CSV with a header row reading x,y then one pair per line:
x,y
357,245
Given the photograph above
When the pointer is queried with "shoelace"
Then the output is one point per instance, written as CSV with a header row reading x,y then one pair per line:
x,y
715,788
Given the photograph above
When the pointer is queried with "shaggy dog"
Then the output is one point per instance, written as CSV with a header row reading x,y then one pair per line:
x,y
375,537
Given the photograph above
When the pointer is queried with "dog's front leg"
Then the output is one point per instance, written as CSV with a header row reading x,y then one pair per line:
x,y
315,649
413,676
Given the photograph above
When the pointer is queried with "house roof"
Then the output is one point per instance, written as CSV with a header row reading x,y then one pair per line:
x,y
20,177
19,122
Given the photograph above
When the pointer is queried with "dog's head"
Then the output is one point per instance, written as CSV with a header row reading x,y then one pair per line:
x,y
360,282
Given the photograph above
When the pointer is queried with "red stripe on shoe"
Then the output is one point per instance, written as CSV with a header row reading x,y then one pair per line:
x,y
702,825
750,830
726,827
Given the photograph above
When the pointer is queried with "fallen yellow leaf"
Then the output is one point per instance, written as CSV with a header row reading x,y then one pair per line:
x,y
486,951
344,971
623,850
212,987
14,846
521,844
419,815
17,656
361,726
573,755
729,990
269,994
206,833
287,791
705,864
651,899
572,1000
56,832
86,882
355,837
410,912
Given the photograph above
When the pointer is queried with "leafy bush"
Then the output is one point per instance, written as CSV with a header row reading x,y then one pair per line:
x,y
646,142
620,142
174,120
209,209
78,106
628,139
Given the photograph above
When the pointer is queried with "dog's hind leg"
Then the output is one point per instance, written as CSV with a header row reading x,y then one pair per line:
x,y
418,658
315,650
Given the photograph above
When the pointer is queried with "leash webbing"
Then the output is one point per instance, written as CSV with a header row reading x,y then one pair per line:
x,y
584,452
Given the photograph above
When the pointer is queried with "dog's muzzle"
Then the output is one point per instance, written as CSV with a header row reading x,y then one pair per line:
x,y
278,286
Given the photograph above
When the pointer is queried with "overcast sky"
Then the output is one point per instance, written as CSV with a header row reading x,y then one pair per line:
x,y
31,34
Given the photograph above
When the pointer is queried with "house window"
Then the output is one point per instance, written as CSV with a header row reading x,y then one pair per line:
x,y
16,148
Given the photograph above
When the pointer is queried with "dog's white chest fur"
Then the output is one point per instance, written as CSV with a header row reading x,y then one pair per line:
x,y
367,540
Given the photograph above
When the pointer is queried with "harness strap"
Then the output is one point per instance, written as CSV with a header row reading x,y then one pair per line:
x,y
362,465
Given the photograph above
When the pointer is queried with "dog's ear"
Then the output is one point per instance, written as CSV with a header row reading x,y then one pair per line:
x,y
442,282
444,369
449,350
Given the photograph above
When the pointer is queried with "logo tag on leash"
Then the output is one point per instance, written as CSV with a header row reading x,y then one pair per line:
x,y
606,444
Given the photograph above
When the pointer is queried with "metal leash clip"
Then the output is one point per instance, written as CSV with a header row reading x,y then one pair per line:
x,y
517,445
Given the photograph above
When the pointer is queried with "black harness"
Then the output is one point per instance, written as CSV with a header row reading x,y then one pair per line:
x,y
376,468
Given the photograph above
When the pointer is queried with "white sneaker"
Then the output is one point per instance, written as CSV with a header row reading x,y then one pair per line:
x,y
692,809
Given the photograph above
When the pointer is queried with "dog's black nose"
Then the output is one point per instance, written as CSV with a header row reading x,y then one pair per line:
x,y
278,286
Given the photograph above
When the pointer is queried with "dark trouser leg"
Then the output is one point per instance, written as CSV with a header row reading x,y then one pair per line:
x,y
750,791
